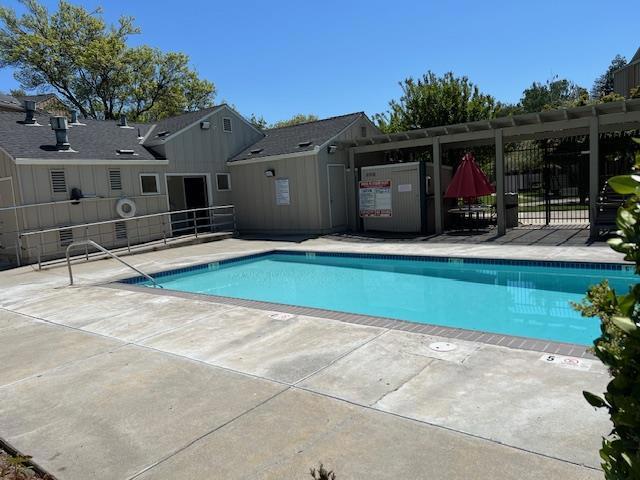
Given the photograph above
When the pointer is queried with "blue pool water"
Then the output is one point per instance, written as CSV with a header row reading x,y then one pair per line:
x,y
523,300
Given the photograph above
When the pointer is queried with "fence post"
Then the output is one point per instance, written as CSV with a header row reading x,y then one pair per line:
x,y
500,207
594,177
437,186
195,223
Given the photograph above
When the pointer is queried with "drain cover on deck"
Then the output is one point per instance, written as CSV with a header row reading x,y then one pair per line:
x,y
442,346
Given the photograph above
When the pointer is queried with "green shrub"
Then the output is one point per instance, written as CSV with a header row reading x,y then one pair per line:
x,y
618,347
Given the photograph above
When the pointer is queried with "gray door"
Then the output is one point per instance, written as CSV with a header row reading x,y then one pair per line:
x,y
337,196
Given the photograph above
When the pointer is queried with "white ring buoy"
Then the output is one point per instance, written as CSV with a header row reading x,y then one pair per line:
x,y
126,208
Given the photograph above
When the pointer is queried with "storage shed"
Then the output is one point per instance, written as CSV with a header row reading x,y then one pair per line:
x,y
294,180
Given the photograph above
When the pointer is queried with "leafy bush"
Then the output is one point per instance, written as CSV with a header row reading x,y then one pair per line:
x,y
618,347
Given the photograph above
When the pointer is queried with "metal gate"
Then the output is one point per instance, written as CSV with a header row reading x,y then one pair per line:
x,y
551,180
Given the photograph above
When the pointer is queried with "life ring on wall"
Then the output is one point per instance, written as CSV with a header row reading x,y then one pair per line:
x,y
126,208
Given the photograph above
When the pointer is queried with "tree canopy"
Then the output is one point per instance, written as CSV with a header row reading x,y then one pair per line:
x,y
295,120
554,93
431,100
603,85
88,63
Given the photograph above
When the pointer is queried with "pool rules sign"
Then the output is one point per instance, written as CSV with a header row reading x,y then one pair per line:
x,y
375,198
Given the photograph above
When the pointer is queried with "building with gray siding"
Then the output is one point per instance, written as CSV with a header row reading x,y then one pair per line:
x,y
628,77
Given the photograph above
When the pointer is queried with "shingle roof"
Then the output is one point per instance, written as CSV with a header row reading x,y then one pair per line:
x,y
37,98
279,141
7,101
636,56
177,123
95,140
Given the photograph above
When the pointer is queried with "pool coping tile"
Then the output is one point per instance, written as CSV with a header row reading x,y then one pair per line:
x,y
489,338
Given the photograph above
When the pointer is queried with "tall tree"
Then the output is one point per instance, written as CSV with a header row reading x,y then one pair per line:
x,y
431,101
603,85
554,93
295,120
75,53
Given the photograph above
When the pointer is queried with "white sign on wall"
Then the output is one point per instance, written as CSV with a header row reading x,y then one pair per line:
x,y
282,191
375,198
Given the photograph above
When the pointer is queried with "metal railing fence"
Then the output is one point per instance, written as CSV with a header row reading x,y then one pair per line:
x,y
123,234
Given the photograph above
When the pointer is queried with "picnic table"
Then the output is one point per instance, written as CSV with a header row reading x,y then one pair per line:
x,y
472,216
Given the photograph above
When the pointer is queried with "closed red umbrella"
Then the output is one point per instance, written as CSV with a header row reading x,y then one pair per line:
x,y
469,181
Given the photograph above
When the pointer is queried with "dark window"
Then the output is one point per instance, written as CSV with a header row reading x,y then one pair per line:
x,y
223,181
149,184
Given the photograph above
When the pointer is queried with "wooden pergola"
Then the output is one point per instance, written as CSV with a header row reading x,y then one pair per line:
x,y
567,122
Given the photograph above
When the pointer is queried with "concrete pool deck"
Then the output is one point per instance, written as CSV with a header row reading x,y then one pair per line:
x,y
106,383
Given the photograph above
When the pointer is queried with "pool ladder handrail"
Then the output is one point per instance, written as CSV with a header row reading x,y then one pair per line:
x,y
111,254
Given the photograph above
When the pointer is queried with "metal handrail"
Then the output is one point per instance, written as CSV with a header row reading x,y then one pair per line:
x,y
226,213
139,217
111,254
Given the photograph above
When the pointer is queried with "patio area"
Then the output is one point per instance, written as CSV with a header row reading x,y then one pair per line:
x,y
111,383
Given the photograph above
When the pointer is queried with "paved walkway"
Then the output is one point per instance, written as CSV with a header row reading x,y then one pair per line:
x,y
115,384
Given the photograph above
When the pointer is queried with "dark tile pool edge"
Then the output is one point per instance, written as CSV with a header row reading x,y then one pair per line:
x,y
498,339
613,266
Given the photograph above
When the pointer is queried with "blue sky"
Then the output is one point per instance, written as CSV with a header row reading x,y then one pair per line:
x,y
278,58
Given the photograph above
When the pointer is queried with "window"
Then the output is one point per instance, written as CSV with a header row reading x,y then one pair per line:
x,y
363,131
223,181
121,230
65,237
149,183
58,181
226,124
115,180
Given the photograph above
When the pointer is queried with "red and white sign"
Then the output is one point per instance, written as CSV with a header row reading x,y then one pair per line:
x,y
375,198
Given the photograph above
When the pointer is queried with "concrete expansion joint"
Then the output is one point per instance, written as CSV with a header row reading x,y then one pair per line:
x,y
340,357
403,383
207,434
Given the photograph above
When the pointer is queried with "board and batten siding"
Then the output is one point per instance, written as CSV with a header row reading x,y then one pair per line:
x,y
308,213
46,209
254,196
206,151
9,193
627,78
340,157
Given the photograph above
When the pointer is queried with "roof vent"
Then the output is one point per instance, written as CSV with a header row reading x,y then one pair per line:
x,y
163,134
74,118
59,125
305,144
255,151
30,108
126,151
122,122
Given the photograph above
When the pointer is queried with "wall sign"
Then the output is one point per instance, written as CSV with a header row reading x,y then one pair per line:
x,y
375,198
406,187
282,191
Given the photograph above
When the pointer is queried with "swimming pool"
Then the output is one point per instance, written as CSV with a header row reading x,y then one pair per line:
x,y
521,298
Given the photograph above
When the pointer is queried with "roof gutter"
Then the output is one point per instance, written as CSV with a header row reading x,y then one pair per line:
x,y
81,161
273,158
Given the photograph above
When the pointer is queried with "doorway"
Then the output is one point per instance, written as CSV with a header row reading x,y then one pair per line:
x,y
187,192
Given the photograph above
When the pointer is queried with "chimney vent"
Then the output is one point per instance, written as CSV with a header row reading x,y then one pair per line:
x,y
30,108
123,120
59,125
74,117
